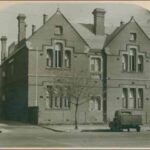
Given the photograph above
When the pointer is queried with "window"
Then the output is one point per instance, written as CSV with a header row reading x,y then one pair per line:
x,y
132,98
95,64
49,58
58,30
67,59
55,99
140,63
140,98
125,97
125,62
58,55
132,36
132,59
95,104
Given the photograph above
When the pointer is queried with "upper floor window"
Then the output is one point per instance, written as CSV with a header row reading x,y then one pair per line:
x,y
140,63
58,55
49,58
133,36
67,59
132,61
124,62
58,30
95,64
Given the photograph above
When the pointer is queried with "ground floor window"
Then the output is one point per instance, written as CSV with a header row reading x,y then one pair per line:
x,y
55,99
132,98
95,103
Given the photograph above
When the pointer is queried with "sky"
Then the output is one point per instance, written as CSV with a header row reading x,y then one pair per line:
x,y
74,11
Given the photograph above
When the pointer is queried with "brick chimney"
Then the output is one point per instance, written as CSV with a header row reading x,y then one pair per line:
x,y
21,27
44,18
33,28
3,48
99,20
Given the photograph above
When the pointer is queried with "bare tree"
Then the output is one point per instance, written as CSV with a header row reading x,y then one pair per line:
x,y
79,90
77,86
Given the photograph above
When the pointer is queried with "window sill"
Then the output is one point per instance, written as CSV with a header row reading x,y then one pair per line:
x,y
134,41
132,72
92,72
57,109
59,68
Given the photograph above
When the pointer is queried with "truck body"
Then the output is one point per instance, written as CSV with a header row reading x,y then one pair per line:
x,y
126,119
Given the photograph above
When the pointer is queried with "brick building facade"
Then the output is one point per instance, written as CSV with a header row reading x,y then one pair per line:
x,y
115,65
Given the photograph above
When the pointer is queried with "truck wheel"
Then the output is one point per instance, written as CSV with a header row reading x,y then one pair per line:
x,y
138,129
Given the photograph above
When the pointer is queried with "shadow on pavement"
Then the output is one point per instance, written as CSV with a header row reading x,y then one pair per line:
x,y
98,130
51,129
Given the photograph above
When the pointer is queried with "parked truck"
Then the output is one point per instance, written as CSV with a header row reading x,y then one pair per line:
x,y
126,119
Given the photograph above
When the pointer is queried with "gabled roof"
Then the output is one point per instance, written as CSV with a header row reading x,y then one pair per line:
x,y
85,31
121,27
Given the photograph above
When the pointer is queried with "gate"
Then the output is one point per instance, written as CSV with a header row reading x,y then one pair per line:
x,y
33,115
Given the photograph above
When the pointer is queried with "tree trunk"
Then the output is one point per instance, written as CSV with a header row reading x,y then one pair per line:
x,y
76,120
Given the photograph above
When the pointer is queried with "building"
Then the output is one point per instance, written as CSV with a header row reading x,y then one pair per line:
x,y
35,69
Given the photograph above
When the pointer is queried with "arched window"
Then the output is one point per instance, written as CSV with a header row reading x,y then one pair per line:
x,y
132,54
58,55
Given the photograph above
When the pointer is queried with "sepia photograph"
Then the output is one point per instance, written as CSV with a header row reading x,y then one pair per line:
x,y
75,74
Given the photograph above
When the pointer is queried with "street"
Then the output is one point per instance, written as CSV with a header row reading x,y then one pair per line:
x,y
36,136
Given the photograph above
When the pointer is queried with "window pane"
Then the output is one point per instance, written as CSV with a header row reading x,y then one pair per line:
x,y
58,55
125,97
49,58
132,59
67,59
132,36
58,30
140,63
124,62
140,98
95,64
132,98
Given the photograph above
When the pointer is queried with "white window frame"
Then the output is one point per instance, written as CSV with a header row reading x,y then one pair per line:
x,y
93,105
101,63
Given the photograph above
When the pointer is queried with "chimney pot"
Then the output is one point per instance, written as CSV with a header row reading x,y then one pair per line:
x,y
121,23
21,27
44,18
33,28
3,48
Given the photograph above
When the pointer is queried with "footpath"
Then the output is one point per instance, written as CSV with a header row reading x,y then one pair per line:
x,y
86,128
6,125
